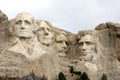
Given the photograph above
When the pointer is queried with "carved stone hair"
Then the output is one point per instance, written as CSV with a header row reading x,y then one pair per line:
x,y
48,23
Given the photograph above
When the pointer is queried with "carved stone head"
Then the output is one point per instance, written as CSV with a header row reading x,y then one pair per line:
x,y
24,25
45,33
61,45
87,45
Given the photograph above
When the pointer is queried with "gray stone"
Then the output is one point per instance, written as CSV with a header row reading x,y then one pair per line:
x,y
36,46
3,17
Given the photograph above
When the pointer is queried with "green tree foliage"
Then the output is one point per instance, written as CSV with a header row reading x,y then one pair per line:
x,y
71,69
84,76
79,75
31,76
104,77
61,76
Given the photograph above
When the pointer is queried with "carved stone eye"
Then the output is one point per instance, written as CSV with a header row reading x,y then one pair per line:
x,y
49,29
81,44
88,43
18,22
59,41
27,22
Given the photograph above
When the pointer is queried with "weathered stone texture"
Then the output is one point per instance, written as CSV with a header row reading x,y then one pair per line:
x,y
61,49
3,17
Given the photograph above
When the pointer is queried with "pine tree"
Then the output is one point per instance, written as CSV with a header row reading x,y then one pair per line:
x,y
84,76
104,77
71,70
61,76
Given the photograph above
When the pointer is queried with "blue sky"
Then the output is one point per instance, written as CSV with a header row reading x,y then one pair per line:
x,y
71,15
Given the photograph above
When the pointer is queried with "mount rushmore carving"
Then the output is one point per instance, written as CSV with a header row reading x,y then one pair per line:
x,y
35,46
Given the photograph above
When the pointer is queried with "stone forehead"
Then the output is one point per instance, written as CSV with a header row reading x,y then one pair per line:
x,y
89,38
24,15
61,37
44,24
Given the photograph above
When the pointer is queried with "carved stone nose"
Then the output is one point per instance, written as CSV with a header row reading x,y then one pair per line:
x,y
22,28
46,33
83,49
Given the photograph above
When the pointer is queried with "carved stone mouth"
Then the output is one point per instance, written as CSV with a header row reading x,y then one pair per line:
x,y
83,54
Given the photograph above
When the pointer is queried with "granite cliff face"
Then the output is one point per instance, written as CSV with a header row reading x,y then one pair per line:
x,y
31,48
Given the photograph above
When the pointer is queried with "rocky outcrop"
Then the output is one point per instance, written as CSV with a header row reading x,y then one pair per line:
x,y
92,51
3,17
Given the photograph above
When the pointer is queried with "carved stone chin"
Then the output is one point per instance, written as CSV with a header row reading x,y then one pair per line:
x,y
91,67
87,57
